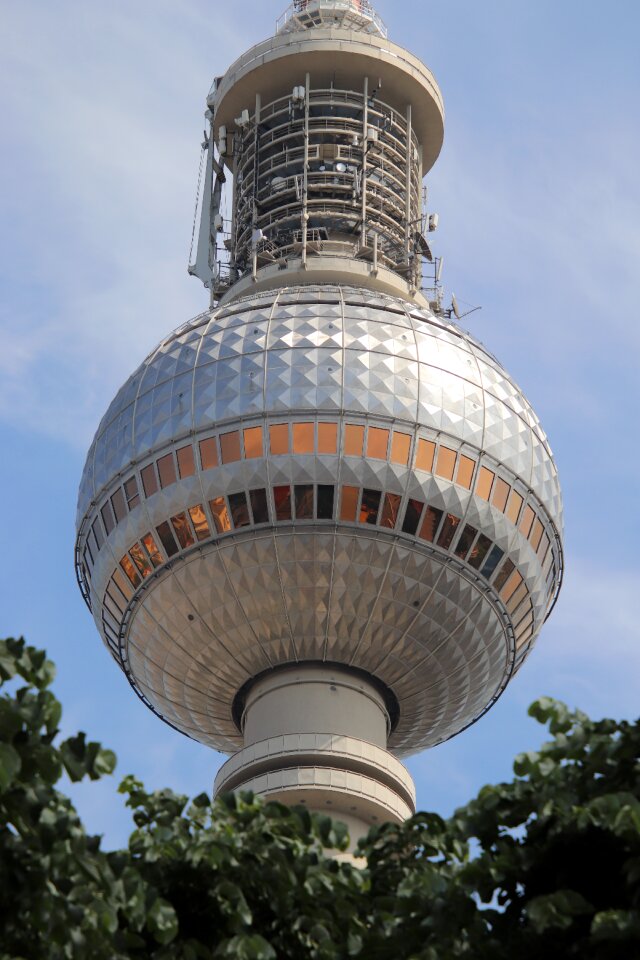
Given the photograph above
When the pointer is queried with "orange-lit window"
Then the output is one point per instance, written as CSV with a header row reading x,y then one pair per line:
x,y
500,495
107,517
279,439
446,462
220,514
183,531
526,635
208,453
128,567
259,506
507,569
377,443
449,528
253,446
517,598
412,517
464,477
326,496
430,524
524,614
524,627
480,550
390,510
467,537
370,506
117,502
511,586
167,539
424,455
230,446
153,550
304,438
186,462
304,502
149,480
131,492
166,470
514,506
527,521
353,440
200,522
140,559
239,510
328,438
349,505
400,448
282,501
485,482
536,534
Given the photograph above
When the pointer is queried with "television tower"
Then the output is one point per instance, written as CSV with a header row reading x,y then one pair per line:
x,y
319,528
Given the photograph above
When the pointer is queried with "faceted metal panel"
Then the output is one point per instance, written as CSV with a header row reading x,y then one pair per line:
x,y
406,610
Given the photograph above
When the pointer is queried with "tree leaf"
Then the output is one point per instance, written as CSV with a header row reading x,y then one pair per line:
x,y
10,765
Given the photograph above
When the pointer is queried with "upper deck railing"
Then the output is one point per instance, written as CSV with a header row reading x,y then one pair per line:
x,y
356,15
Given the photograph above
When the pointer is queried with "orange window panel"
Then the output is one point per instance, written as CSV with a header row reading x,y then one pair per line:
x,y
279,439
127,565
230,446
349,504
464,477
253,444
500,495
517,598
208,453
304,438
149,480
511,586
353,440
390,510
536,534
377,443
527,521
153,550
220,514
140,559
282,502
400,448
370,506
526,635
328,438
183,531
200,522
446,463
485,482
186,462
430,524
514,506
425,454
166,470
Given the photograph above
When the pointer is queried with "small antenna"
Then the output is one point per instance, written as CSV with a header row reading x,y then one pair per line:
x,y
439,270
455,307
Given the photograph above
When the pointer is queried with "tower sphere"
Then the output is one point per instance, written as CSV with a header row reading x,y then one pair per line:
x,y
320,525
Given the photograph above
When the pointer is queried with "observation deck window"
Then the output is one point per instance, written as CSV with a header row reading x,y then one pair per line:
x,y
326,497
412,517
304,502
279,439
149,480
446,463
447,533
167,539
430,524
328,438
230,447
377,443
253,444
259,506
303,438
166,470
186,462
282,500
370,506
220,514
199,522
208,453
425,455
182,530
153,550
239,510
349,504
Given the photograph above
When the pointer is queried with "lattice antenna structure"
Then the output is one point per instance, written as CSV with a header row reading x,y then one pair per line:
x,y
320,527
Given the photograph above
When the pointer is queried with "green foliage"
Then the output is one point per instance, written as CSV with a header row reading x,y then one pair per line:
x,y
547,865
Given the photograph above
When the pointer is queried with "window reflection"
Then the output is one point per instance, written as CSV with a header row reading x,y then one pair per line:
x,y
328,438
186,462
304,502
536,534
446,463
485,482
303,438
149,480
514,506
253,447
325,502
259,506
349,505
230,446
239,510
527,521
517,598
353,440
128,567
183,530
131,492
370,506
479,552
500,495
425,454
220,514
400,448
282,500
507,569
430,524
166,470
511,586
107,517
466,466
208,453
140,559
167,539
377,443
200,522
412,517
153,550
467,537
492,562
279,439
390,510
449,527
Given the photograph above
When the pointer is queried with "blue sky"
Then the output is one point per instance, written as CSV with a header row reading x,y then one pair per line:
x,y
539,197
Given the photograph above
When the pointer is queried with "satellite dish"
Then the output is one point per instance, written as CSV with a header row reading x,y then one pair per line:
x,y
341,167
423,247
454,306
